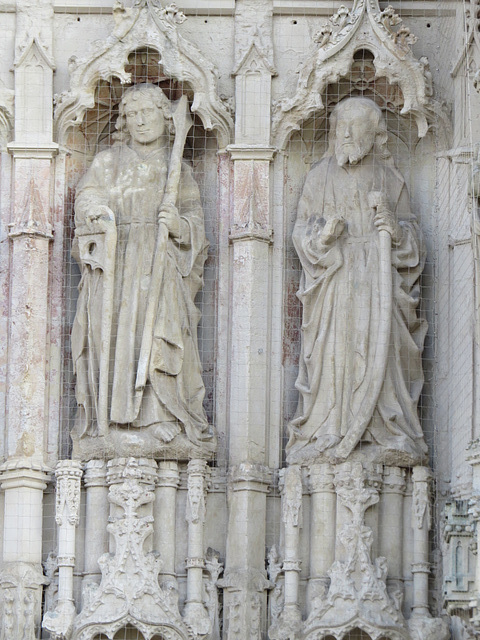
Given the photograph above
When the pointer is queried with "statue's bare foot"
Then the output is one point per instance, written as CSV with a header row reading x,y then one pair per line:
x,y
167,431
326,442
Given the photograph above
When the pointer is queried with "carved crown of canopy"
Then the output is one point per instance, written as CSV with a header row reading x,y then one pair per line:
x,y
150,30
361,51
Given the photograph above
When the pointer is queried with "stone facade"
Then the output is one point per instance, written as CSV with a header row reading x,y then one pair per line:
x,y
239,268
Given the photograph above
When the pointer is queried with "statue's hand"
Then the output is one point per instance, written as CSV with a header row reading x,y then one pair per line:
x,y
385,221
99,218
332,230
168,214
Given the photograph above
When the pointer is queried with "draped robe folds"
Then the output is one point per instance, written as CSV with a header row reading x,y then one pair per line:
x,y
341,298
133,188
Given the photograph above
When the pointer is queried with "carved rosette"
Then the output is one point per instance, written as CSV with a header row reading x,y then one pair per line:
x,y
129,592
147,24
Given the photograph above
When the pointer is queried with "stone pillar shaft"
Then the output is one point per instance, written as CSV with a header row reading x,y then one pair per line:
x,y
164,510
421,514
322,525
96,517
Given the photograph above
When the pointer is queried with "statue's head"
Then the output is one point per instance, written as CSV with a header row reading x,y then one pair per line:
x,y
145,114
357,126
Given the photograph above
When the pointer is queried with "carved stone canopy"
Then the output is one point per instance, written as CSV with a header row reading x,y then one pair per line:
x,y
364,33
148,26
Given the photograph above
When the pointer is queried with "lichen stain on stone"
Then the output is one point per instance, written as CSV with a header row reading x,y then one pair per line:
x,y
26,445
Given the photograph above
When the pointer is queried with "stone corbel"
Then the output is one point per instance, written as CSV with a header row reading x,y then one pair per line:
x,y
59,622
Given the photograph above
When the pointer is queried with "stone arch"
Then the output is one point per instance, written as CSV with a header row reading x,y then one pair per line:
x,y
143,28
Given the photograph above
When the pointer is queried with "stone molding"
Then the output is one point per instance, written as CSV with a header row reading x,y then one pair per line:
x,y
248,476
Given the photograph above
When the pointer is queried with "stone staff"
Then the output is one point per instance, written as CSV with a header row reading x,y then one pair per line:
x,y
183,123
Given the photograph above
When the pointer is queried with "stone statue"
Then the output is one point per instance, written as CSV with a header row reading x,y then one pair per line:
x,y
140,241
360,373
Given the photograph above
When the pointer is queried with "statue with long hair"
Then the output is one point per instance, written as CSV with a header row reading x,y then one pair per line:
x,y
140,241
361,250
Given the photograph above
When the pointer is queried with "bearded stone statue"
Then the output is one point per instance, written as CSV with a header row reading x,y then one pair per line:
x,y
140,241
361,250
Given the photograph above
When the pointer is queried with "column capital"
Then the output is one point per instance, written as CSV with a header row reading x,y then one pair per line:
x,y
167,474
321,478
31,151
250,476
95,474
251,152
24,473
394,480
143,470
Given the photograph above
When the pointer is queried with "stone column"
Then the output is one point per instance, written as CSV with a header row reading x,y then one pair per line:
x,y
474,510
68,472
25,472
164,511
421,522
245,580
391,524
195,614
96,518
291,490
322,527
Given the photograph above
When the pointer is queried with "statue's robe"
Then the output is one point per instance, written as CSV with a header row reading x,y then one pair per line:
x,y
341,297
133,188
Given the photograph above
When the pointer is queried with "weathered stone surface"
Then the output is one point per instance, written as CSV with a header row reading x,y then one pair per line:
x,y
362,256
141,243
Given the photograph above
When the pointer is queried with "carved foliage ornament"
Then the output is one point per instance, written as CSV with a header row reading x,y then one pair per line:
x,y
147,24
129,592
365,26
357,595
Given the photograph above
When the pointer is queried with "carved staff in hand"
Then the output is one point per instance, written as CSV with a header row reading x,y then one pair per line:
x,y
183,123
149,374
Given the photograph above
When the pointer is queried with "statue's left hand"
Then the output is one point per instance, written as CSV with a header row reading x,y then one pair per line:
x,y
168,214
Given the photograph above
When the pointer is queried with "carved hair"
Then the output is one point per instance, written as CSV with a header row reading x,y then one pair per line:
x,y
374,111
158,98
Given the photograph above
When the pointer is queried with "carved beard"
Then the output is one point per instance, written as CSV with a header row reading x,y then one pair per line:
x,y
351,152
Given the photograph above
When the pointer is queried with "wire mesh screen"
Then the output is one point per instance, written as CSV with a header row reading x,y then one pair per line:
x,y
357,210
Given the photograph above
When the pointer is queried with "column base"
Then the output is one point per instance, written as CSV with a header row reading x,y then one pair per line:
x,y
59,623
289,624
196,617
428,628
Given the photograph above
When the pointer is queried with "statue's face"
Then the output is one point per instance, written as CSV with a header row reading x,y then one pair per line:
x,y
355,135
145,121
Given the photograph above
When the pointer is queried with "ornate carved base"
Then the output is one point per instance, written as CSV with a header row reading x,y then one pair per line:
x,y
129,592
21,596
